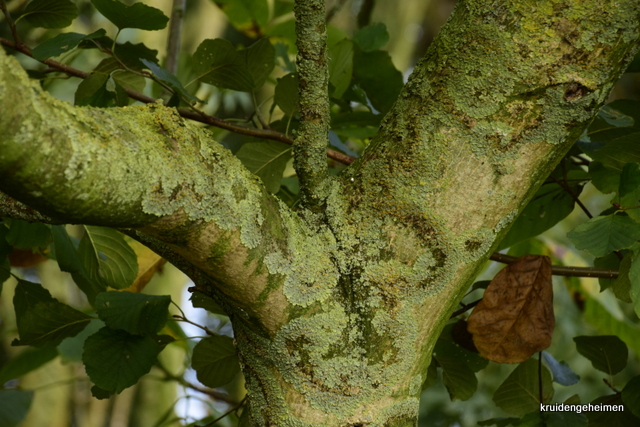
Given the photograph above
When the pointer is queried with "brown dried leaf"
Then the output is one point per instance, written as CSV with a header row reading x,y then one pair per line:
x,y
515,318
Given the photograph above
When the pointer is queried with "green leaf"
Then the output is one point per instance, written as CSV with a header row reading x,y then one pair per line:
x,y
376,74
621,286
170,80
62,43
43,320
132,55
562,373
70,349
25,362
93,91
115,360
286,94
631,395
604,234
137,314
634,279
100,394
200,300
606,324
260,59
607,353
629,191
372,37
111,67
518,394
14,406
27,235
215,361
219,63
68,260
341,67
245,14
611,418
603,178
50,13
457,376
108,259
550,205
616,152
607,262
267,160
137,15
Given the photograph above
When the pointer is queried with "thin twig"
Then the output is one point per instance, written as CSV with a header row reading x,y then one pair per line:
x,y
209,392
193,114
560,270
12,25
465,307
204,328
175,33
229,412
566,188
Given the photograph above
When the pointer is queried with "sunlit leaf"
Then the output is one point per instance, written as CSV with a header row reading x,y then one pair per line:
x,y
108,259
514,319
246,15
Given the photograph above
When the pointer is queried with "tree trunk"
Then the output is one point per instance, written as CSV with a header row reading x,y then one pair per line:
x,y
336,308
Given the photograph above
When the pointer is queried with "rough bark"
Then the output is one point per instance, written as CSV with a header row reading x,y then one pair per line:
x,y
336,313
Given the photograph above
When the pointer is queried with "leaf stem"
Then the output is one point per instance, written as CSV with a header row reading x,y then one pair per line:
x,y
12,25
229,412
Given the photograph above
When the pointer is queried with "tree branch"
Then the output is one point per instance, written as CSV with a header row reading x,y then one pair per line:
x,y
312,138
561,270
145,168
175,35
191,114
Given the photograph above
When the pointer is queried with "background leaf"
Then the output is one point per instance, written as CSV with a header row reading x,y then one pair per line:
x,y
26,235
372,37
286,94
25,362
607,353
631,395
215,361
50,13
14,406
138,15
376,74
62,43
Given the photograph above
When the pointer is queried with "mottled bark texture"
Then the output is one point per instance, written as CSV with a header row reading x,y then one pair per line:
x,y
336,312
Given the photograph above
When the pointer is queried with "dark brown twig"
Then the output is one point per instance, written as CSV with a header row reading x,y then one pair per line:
x,y
560,270
195,115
